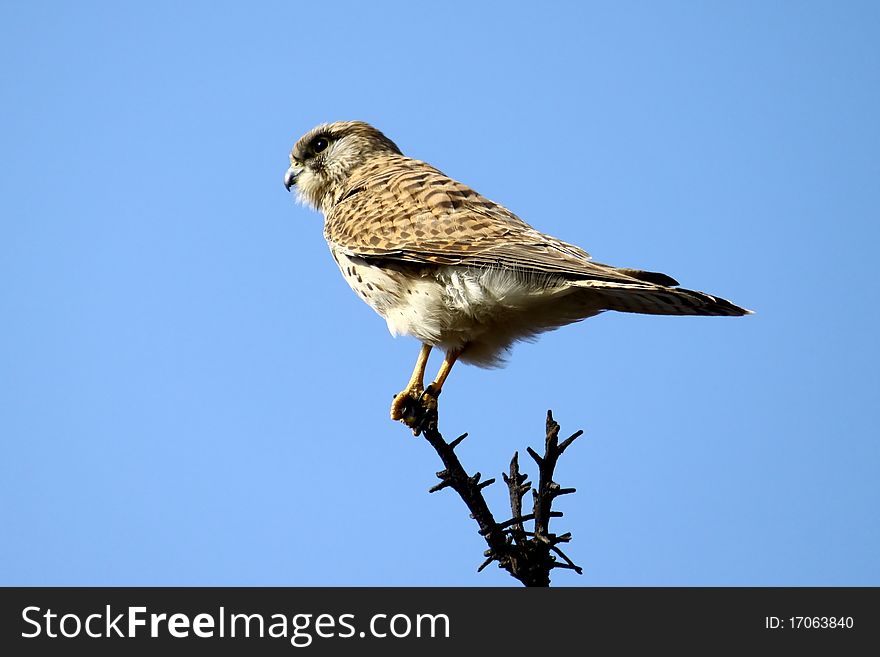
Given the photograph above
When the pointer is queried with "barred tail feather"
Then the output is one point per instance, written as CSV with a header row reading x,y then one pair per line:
x,y
659,300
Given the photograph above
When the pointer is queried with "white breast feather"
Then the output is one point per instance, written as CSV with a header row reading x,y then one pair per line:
x,y
486,309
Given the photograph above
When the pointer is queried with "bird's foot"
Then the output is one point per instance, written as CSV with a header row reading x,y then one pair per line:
x,y
416,408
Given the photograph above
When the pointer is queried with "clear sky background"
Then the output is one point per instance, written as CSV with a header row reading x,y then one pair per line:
x,y
190,393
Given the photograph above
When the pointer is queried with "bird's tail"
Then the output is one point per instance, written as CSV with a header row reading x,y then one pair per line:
x,y
652,299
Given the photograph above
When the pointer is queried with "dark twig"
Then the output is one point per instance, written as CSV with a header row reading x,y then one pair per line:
x,y
568,562
516,522
548,489
470,491
526,555
518,487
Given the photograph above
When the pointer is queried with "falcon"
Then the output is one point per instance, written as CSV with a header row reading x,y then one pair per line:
x,y
449,267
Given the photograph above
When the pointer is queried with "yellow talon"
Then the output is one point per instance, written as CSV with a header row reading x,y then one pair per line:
x,y
404,400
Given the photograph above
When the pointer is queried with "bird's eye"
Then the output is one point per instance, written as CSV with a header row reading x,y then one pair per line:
x,y
320,144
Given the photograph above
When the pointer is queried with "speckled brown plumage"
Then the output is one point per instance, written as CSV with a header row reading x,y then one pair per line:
x,y
403,209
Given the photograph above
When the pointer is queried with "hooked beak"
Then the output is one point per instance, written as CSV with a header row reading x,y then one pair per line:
x,y
291,175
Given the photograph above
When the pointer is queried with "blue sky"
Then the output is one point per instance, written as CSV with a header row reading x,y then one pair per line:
x,y
190,393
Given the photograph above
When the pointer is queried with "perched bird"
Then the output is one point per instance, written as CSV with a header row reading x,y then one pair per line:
x,y
451,268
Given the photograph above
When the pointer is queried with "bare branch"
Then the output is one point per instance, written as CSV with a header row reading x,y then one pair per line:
x,y
526,555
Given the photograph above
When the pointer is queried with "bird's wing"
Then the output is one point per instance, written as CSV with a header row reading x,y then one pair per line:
x,y
399,209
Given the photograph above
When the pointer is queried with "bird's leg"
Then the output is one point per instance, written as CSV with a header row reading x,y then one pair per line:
x,y
405,403
429,396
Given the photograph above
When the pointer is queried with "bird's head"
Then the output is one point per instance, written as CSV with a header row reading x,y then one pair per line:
x,y
324,158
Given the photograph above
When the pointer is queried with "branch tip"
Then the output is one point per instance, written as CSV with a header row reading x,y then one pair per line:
x,y
538,459
440,486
